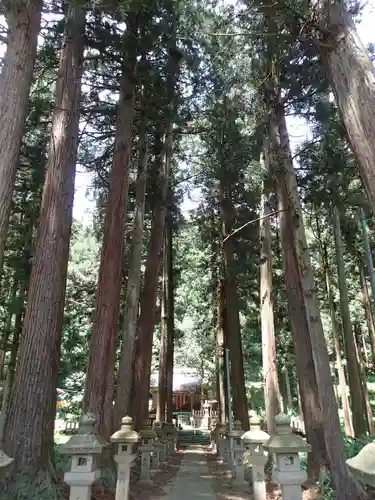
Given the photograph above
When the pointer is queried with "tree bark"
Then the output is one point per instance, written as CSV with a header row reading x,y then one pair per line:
x,y
12,363
233,327
362,373
355,386
108,294
289,398
270,378
146,322
32,408
171,322
220,353
8,325
164,327
325,418
15,81
336,342
300,333
367,248
352,77
368,313
125,375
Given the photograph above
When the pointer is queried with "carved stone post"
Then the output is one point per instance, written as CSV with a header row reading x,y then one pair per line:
x,y
238,471
125,438
85,449
147,436
286,446
254,441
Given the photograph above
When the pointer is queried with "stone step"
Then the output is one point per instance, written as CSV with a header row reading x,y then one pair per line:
x,y
191,437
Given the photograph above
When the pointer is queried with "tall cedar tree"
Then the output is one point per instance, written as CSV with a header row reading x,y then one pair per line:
x,y
32,409
352,76
23,19
100,373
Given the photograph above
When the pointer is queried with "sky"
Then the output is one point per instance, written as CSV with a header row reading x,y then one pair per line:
x,y
298,131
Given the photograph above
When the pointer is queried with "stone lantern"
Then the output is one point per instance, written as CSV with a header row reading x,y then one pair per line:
x,y
238,469
286,446
362,466
5,465
168,428
225,441
254,441
85,449
147,436
206,420
125,438
159,446
220,441
162,442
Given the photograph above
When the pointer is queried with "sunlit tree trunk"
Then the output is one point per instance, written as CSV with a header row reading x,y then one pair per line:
x,y
368,312
105,324
329,443
352,77
147,316
355,386
32,407
296,306
340,368
233,339
23,19
125,373
167,320
289,398
362,373
146,323
8,325
171,320
271,383
220,352
368,252
162,380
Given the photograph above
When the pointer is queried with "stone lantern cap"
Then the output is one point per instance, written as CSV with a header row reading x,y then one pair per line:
x,y
86,442
5,461
168,428
255,435
146,431
237,431
168,425
255,422
362,466
126,434
220,427
285,441
157,429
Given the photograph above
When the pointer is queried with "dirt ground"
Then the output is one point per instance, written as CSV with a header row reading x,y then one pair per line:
x,y
160,482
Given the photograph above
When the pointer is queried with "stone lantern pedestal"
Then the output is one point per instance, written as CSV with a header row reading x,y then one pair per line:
x,y
125,438
238,469
85,449
254,440
362,466
147,436
286,446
